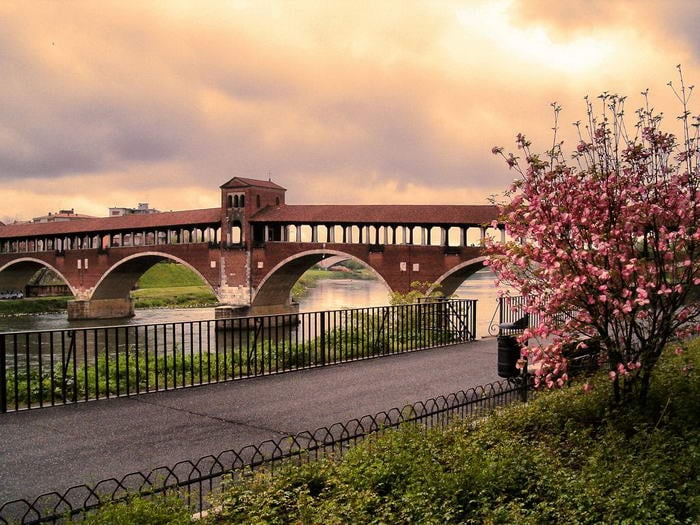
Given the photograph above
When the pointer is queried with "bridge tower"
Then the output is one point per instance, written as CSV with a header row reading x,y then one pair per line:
x,y
242,199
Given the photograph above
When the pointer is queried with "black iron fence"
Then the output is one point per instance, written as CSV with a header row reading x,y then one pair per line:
x,y
513,317
196,480
510,310
47,368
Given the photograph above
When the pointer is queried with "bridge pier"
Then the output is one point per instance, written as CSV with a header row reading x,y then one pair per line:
x,y
275,309
289,311
100,308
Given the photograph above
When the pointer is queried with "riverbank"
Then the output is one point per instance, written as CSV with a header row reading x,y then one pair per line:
x,y
33,305
174,297
168,297
165,285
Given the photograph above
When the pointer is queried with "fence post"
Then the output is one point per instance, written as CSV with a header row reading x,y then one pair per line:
x,y
525,380
323,338
3,375
472,308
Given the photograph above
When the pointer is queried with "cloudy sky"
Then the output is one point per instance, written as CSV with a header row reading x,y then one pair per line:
x,y
113,103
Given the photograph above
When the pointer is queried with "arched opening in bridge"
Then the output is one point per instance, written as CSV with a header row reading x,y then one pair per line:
x,y
473,280
322,280
155,280
33,278
168,283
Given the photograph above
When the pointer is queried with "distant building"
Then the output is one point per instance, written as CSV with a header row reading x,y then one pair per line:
x,y
61,216
141,209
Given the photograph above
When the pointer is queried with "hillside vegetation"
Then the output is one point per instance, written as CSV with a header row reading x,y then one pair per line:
x,y
169,275
169,284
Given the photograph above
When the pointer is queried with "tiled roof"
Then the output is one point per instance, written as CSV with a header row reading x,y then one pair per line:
x,y
436,215
107,224
242,182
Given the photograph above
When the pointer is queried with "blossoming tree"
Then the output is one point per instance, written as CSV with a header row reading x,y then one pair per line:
x,y
605,241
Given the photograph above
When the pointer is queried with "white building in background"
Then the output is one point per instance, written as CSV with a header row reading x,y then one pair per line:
x,y
141,209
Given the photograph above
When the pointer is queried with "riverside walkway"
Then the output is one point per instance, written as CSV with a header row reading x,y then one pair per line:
x,y
53,449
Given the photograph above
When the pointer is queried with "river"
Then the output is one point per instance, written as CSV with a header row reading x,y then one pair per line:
x,y
329,294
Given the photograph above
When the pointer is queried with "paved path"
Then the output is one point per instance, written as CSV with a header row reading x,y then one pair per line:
x,y
55,448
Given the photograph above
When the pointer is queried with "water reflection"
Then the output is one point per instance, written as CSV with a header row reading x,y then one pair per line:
x,y
332,294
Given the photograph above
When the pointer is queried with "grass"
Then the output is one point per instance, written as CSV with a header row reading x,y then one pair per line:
x,y
174,296
566,457
169,275
168,284
34,305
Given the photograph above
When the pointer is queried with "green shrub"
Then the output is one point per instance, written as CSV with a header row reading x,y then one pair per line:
x,y
564,458
140,511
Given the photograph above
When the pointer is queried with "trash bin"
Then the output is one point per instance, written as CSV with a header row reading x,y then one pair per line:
x,y
508,355
509,348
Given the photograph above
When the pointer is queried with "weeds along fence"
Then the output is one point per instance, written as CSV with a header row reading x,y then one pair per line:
x,y
196,481
47,368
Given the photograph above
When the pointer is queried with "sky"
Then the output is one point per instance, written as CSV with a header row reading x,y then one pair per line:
x,y
111,103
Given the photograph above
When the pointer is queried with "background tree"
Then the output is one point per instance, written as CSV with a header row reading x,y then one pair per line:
x,y
606,240
420,290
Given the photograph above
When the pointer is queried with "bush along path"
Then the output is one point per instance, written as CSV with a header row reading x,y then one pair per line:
x,y
566,457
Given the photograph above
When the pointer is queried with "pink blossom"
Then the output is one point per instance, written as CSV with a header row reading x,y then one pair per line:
x,y
604,239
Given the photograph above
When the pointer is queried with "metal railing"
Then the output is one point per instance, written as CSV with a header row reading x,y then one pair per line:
x,y
47,368
509,310
195,481
512,309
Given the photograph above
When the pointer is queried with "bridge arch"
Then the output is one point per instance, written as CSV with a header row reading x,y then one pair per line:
x,y
16,274
452,279
276,287
120,278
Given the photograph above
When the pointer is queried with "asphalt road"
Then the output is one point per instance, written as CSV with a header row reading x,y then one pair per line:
x,y
53,449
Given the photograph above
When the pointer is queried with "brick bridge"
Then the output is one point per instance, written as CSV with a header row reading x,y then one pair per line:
x,y
250,250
